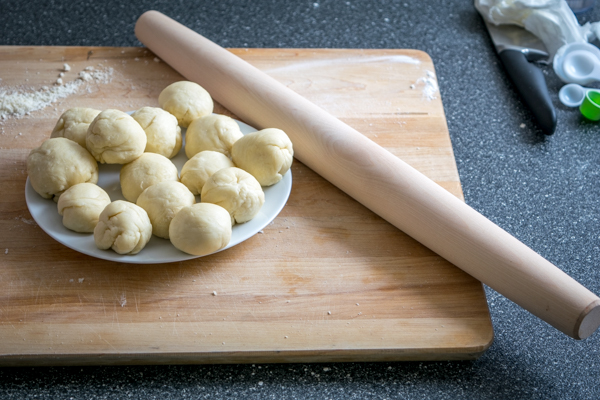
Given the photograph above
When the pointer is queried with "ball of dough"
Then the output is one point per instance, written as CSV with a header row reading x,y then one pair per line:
x,y
186,101
81,205
162,131
213,132
74,123
114,137
236,191
123,227
57,165
266,154
145,171
200,229
162,201
198,169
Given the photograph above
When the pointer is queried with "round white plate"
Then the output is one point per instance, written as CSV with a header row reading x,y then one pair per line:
x,y
45,213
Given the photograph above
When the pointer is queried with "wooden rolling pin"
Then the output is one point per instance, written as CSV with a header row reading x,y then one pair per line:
x,y
378,179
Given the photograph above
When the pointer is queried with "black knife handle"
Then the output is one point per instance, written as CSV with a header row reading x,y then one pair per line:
x,y
530,83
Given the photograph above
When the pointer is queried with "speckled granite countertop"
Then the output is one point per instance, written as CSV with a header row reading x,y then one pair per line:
x,y
543,190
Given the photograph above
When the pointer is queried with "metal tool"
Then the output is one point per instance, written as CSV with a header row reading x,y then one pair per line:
x,y
518,48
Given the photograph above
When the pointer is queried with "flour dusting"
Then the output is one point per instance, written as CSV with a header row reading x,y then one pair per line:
x,y
22,102
26,220
345,61
430,86
123,300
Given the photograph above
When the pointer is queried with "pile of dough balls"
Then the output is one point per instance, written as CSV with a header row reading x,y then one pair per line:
x,y
225,168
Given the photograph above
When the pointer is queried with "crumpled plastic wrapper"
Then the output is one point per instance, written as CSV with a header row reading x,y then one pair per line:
x,y
552,21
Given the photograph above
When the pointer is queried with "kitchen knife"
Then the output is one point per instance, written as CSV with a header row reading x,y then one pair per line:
x,y
518,48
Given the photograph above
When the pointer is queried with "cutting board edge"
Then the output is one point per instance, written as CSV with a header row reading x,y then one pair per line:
x,y
368,354
270,357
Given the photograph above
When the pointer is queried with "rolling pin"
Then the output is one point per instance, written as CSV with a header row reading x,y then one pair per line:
x,y
376,178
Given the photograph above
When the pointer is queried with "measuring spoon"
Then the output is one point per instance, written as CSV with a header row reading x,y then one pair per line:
x,y
572,95
581,66
564,52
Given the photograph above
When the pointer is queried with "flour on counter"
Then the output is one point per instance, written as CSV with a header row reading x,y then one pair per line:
x,y
22,102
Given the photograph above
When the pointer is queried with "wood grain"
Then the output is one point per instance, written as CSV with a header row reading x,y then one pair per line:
x,y
377,178
390,298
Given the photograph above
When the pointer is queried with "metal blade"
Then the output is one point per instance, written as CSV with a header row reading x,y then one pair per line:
x,y
516,38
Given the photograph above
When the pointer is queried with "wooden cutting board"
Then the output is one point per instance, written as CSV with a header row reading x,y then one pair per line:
x,y
328,280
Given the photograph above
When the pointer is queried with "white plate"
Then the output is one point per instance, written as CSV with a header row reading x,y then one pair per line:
x,y
158,250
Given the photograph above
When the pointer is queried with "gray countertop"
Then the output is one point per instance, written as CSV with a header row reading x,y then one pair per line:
x,y
542,189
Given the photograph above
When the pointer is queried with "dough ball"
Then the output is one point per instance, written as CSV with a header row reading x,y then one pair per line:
x,y
145,171
200,229
186,101
57,165
266,154
81,205
114,137
198,169
123,227
162,131
236,191
162,201
74,123
213,132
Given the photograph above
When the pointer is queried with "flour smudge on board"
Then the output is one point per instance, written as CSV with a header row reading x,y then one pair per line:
x,y
19,103
344,61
